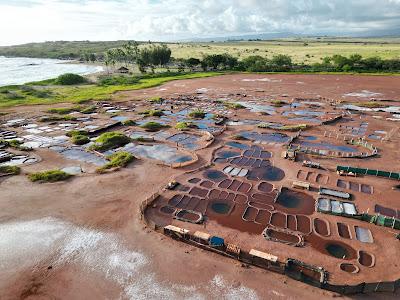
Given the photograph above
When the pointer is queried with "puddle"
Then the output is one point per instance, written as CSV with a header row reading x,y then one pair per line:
x,y
262,108
74,170
214,175
275,137
237,145
81,155
328,146
159,152
337,250
268,173
227,154
222,208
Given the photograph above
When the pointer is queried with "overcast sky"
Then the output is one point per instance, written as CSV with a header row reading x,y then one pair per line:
x,y
46,20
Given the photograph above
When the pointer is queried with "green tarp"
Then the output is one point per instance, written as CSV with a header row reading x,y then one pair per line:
x,y
386,174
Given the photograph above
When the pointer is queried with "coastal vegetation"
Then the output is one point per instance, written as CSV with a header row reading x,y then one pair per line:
x,y
109,141
116,161
9,170
49,176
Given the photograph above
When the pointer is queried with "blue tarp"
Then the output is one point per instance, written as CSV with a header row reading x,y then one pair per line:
x,y
216,241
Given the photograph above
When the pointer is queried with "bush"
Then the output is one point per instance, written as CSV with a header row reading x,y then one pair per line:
x,y
63,110
11,95
182,126
129,123
117,160
76,132
153,113
118,80
88,110
10,170
197,114
278,103
156,100
233,105
370,104
70,79
110,140
56,118
15,144
49,176
153,126
80,139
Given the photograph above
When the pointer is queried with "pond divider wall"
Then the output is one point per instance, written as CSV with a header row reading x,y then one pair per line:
x,y
295,269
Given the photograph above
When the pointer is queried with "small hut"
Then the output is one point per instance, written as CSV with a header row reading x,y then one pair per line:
x,y
123,70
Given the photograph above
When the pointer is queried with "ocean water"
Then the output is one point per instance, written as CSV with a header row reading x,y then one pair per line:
x,y
20,70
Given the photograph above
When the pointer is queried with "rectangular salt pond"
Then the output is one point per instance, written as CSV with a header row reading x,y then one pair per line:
x,y
336,207
364,235
160,152
79,154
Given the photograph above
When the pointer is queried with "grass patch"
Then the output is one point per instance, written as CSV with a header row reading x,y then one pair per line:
x,y
370,104
49,176
239,137
15,144
10,170
80,139
142,139
155,100
152,113
296,127
129,123
56,118
117,160
197,114
153,126
278,103
233,105
87,92
110,140
182,126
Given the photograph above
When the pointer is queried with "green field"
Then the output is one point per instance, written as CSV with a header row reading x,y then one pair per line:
x,y
302,50
79,93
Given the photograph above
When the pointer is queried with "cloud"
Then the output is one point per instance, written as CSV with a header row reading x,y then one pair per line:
x,y
38,20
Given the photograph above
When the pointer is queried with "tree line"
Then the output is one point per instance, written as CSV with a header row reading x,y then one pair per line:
x,y
152,56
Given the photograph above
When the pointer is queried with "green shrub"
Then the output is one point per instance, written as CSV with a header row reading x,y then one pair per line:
x,y
153,126
11,170
370,104
11,95
76,132
88,110
70,79
184,125
129,123
197,114
80,139
233,105
49,176
56,118
143,139
239,137
117,160
62,110
110,140
156,100
118,80
15,144
152,113
278,103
